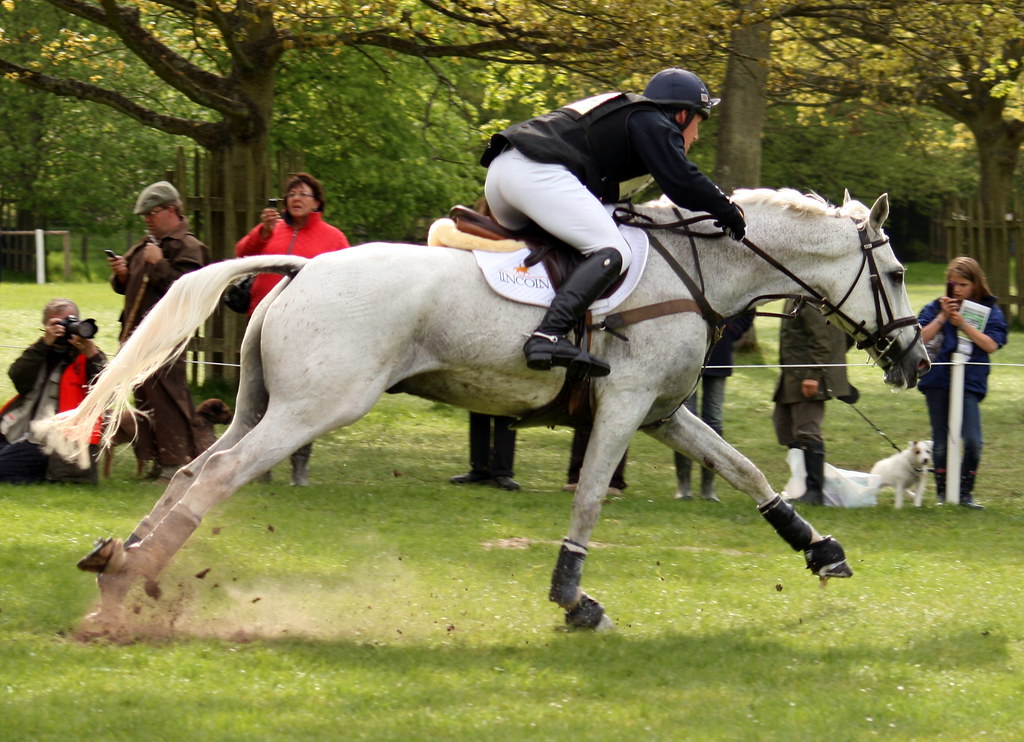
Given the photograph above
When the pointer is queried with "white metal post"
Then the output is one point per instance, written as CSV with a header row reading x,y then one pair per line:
x,y
954,442
40,257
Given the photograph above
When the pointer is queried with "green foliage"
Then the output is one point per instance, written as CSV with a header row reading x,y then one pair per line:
x,y
394,141
847,146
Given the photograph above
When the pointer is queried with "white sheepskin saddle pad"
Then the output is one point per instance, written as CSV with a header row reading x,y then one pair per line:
x,y
502,263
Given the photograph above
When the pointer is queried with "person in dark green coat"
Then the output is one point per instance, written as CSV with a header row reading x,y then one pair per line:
x,y
813,357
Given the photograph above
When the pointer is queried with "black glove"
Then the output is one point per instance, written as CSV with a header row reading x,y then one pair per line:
x,y
734,224
851,397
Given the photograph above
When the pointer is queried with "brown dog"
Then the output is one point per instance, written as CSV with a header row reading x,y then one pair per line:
x,y
210,412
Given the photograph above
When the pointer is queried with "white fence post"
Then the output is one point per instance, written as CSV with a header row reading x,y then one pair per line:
x,y
954,441
40,257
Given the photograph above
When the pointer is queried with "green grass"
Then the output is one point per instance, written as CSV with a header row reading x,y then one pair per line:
x,y
382,603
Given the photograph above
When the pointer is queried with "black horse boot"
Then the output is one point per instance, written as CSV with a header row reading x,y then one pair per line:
x,y
548,346
814,463
967,491
683,467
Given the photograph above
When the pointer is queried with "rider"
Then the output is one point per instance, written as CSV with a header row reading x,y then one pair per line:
x,y
557,169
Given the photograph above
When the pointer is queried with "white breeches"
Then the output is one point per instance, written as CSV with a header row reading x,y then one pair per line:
x,y
520,190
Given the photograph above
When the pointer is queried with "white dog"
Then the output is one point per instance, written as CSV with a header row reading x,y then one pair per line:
x,y
906,470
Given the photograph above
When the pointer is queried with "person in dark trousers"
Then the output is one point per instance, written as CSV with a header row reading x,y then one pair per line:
x,y
815,353
490,464
580,439
942,324
559,169
710,393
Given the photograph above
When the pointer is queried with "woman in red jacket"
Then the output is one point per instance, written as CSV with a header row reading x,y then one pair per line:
x,y
301,231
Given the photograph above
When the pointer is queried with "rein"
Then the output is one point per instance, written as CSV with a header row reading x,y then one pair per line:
x,y
885,320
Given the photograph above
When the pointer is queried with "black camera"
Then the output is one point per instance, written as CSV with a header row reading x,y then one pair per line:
x,y
274,203
84,328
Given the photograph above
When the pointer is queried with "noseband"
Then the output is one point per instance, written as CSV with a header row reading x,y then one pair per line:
x,y
885,320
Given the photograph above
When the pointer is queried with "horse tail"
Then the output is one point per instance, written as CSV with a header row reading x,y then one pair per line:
x,y
162,335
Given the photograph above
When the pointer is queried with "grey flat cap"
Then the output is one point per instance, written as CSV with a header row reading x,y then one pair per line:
x,y
155,195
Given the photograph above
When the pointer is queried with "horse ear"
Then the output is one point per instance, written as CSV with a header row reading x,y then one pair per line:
x,y
879,212
846,196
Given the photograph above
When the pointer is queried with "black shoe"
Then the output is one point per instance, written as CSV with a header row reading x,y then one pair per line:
x,y
548,346
472,477
972,505
543,351
507,483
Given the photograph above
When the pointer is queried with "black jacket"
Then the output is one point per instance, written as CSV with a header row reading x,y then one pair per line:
x,y
613,138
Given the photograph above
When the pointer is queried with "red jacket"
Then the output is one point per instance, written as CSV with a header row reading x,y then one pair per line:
x,y
315,237
73,386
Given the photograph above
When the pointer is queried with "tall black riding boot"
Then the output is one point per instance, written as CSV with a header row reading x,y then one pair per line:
x,y
814,463
548,346
967,491
940,486
683,467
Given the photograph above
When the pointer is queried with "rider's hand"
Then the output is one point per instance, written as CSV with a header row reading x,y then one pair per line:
x,y
733,224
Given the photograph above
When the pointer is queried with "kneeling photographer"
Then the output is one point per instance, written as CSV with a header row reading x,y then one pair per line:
x,y
52,375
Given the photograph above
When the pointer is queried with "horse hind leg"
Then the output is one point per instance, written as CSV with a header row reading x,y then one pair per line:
x,y
250,405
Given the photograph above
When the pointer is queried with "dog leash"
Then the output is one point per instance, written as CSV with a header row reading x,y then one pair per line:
x,y
877,429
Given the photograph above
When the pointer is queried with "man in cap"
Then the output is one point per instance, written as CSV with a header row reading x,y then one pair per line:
x,y
143,275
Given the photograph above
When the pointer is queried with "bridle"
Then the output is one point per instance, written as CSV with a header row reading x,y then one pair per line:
x,y
886,322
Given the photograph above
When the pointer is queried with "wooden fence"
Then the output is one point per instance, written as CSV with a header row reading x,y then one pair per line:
x,y
960,229
224,200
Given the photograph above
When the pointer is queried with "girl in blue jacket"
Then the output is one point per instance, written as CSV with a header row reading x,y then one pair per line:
x,y
941,323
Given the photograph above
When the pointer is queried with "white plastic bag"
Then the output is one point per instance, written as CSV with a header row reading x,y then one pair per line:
x,y
843,488
850,489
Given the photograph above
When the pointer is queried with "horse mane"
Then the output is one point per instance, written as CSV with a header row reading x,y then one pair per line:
x,y
789,199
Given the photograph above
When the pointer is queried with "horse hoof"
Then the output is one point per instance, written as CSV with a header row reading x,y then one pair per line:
x,y
588,614
107,554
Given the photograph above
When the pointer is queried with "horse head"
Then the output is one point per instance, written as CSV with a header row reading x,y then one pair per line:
x,y
875,310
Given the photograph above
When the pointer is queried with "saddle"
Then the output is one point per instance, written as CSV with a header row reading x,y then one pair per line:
x,y
571,407
558,258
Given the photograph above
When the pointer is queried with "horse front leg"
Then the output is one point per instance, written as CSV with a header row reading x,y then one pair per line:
x,y
605,449
687,434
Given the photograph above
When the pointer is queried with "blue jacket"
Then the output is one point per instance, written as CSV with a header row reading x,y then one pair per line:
x,y
975,376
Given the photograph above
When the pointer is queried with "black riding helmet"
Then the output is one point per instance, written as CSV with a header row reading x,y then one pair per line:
x,y
676,88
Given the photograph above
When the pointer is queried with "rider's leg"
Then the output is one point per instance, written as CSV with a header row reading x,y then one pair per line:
x,y
520,190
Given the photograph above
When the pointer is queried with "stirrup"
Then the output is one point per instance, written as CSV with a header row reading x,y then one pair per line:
x,y
543,351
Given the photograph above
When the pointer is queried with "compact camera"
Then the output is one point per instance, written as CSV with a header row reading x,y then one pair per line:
x,y
84,328
274,203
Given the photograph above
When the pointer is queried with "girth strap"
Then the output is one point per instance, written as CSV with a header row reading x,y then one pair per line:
x,y
631,316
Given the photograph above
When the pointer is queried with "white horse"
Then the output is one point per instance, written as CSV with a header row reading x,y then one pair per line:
x,y
351,325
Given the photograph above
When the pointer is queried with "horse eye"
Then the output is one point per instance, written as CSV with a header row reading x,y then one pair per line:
x,y
897,276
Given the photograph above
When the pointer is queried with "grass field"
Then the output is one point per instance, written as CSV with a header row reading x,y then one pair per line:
x,y
382,603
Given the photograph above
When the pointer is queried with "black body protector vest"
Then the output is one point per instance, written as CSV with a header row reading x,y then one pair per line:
x,y
588,137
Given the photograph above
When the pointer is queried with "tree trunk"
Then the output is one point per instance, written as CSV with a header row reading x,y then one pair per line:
x,y
741,123
998,157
